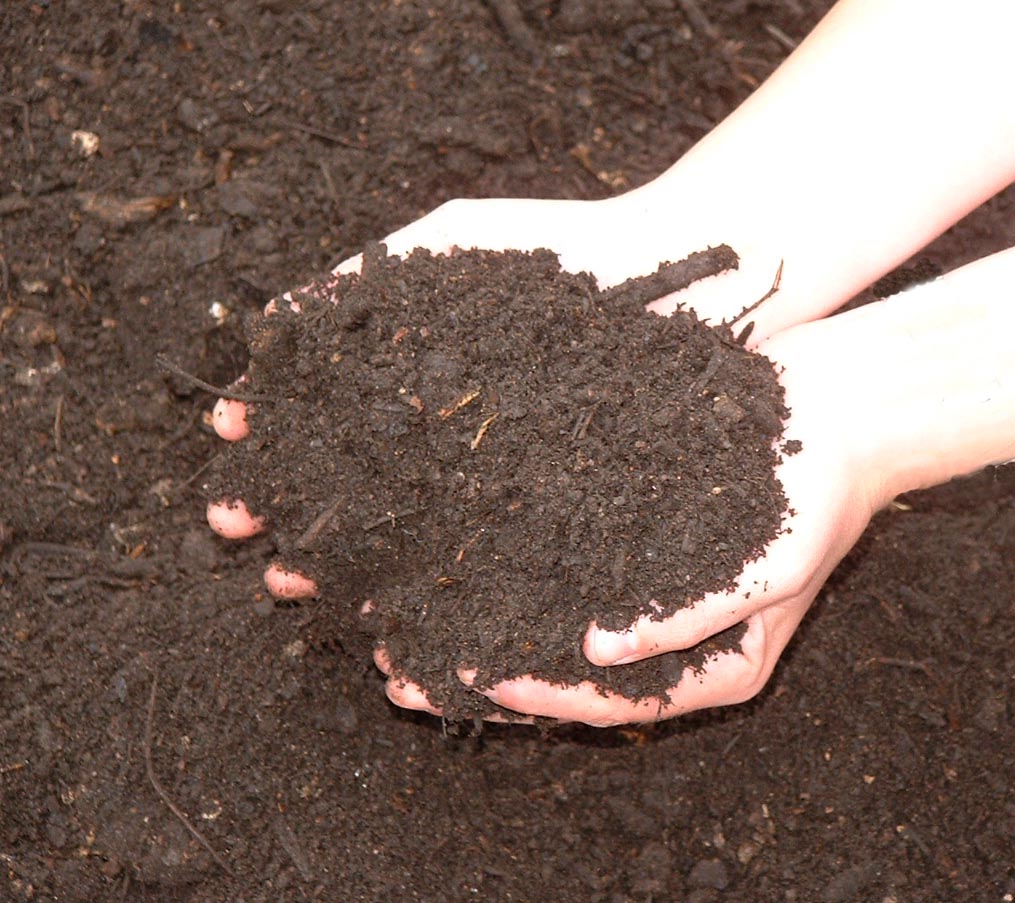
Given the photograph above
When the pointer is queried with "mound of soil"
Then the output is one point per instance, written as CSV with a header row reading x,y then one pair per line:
x,y
495,453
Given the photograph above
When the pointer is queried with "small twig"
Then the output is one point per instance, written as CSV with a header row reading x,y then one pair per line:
x,y
749,328
58,425
160,790
698,20
906,832
319,523
26,124
329,183
483,427
705,377
672,277
582,422
390,518
776,32
908,664
32,547
322,134
229,394
76,493
467,398
468,545
197,473
728,748
291,845
510,18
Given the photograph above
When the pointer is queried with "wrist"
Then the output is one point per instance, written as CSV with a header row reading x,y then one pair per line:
x,y
952,382
841,165
919,388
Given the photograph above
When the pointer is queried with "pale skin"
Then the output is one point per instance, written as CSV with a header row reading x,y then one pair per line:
x,y
841,166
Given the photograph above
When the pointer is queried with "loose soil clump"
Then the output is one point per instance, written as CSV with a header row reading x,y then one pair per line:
x,y
491,453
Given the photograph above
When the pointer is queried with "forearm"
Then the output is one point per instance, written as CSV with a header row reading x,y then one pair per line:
x,y
920,388
889,123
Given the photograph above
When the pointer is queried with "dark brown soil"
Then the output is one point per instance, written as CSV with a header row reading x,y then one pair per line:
x,y
495,454
150,694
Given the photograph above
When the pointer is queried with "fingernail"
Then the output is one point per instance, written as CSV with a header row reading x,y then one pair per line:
x,y
613,648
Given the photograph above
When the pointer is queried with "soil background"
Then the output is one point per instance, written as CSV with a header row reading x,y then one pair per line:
x,y
146,683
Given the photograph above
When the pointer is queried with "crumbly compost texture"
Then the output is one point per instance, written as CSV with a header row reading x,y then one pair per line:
x,y
494,454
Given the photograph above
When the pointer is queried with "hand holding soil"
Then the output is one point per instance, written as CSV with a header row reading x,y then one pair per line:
x,y
538,441
863,440
857,452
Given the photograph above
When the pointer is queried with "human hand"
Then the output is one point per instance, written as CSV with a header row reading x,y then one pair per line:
x,y
827,485
574,225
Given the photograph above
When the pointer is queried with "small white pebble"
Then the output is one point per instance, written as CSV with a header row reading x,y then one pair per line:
x,y
219,312
85,143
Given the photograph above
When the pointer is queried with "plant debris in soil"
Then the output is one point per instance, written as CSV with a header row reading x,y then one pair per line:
x,y
493,453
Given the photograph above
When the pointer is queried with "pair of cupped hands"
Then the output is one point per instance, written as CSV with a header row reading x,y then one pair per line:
x,y
831,487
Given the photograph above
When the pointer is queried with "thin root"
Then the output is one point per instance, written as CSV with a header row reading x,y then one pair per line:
x,y
160,790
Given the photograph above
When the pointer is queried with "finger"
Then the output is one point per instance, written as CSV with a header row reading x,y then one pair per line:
x,y
382,661
727,679
650,635
791,566
734,677
432,232
230,419
715,613
233,520
584,702
408,695
647,637
285,584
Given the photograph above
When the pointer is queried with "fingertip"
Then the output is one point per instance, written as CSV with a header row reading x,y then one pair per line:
x,y
409,696
285,584
607,647
229,419
467,676
233,520
381,660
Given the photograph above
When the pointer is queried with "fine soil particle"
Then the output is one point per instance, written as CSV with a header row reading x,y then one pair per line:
x,y
495,454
